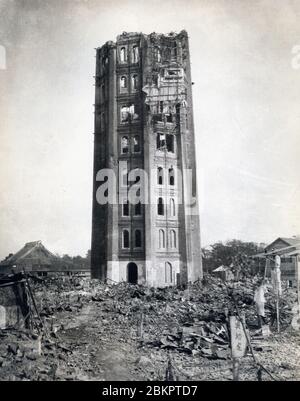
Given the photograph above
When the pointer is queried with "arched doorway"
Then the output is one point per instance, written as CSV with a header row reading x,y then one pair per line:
x,y
132,273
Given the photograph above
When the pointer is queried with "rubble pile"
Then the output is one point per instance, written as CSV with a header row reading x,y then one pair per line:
x,y
90,330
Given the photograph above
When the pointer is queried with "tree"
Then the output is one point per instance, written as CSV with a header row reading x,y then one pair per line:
x,y
228,253
74,262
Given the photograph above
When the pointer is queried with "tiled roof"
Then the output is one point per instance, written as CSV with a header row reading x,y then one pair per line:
x,y
31,251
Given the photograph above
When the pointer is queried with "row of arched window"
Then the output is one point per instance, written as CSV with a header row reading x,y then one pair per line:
x,y
125,178
128,113
126,238
134,56
172,240
124,82
136,148
161,207
165,142
160,176
167,52
135,144
137,209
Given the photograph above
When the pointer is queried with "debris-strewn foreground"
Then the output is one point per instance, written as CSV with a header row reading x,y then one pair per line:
x,y
95,331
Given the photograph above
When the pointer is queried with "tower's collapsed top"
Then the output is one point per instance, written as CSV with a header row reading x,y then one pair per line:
x,y
153,37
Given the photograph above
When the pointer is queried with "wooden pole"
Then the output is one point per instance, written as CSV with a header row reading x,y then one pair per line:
x,y
296,317
259,365
170,376
277,311
298,280
238,345
266,268
140,327
277,284
236,369
34,304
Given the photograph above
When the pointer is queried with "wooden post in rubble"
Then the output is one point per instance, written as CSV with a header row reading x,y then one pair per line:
x,y
235,369
238,344
266,268
298,287
298,281
277,288
34,303
141,326
277,312
296,317
170,376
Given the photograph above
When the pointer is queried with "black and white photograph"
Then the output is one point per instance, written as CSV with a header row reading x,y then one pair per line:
x,y
149,193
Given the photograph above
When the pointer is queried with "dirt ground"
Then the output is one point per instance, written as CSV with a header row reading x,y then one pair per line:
x,y
115,353
91,333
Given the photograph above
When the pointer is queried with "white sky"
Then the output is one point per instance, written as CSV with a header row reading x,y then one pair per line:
x,y
246,108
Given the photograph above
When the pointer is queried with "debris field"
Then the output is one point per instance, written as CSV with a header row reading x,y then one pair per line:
x,y
88,330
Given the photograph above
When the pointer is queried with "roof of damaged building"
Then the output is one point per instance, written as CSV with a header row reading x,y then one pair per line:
x,y
283,246
281,241
292,241
32,252
35,257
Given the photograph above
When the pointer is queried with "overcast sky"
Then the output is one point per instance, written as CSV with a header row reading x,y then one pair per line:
x,y
246,108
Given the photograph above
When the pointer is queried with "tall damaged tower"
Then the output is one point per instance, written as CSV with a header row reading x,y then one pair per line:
x,y
144,141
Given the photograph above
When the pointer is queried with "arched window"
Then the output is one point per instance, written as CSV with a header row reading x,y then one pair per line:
x,y
157,55
123,55
124,144
172,207
136,144
124,114
135,54
125,239
138,209
161,239
167,53
160,176
173,239
161,106
168,273
138,238
104,61
160,141
134,82
170,139
126,208
128,112
160,207
169,119
171,176
123,82
174,50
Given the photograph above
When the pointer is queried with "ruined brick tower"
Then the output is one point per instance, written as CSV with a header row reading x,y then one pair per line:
x,y
144,120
